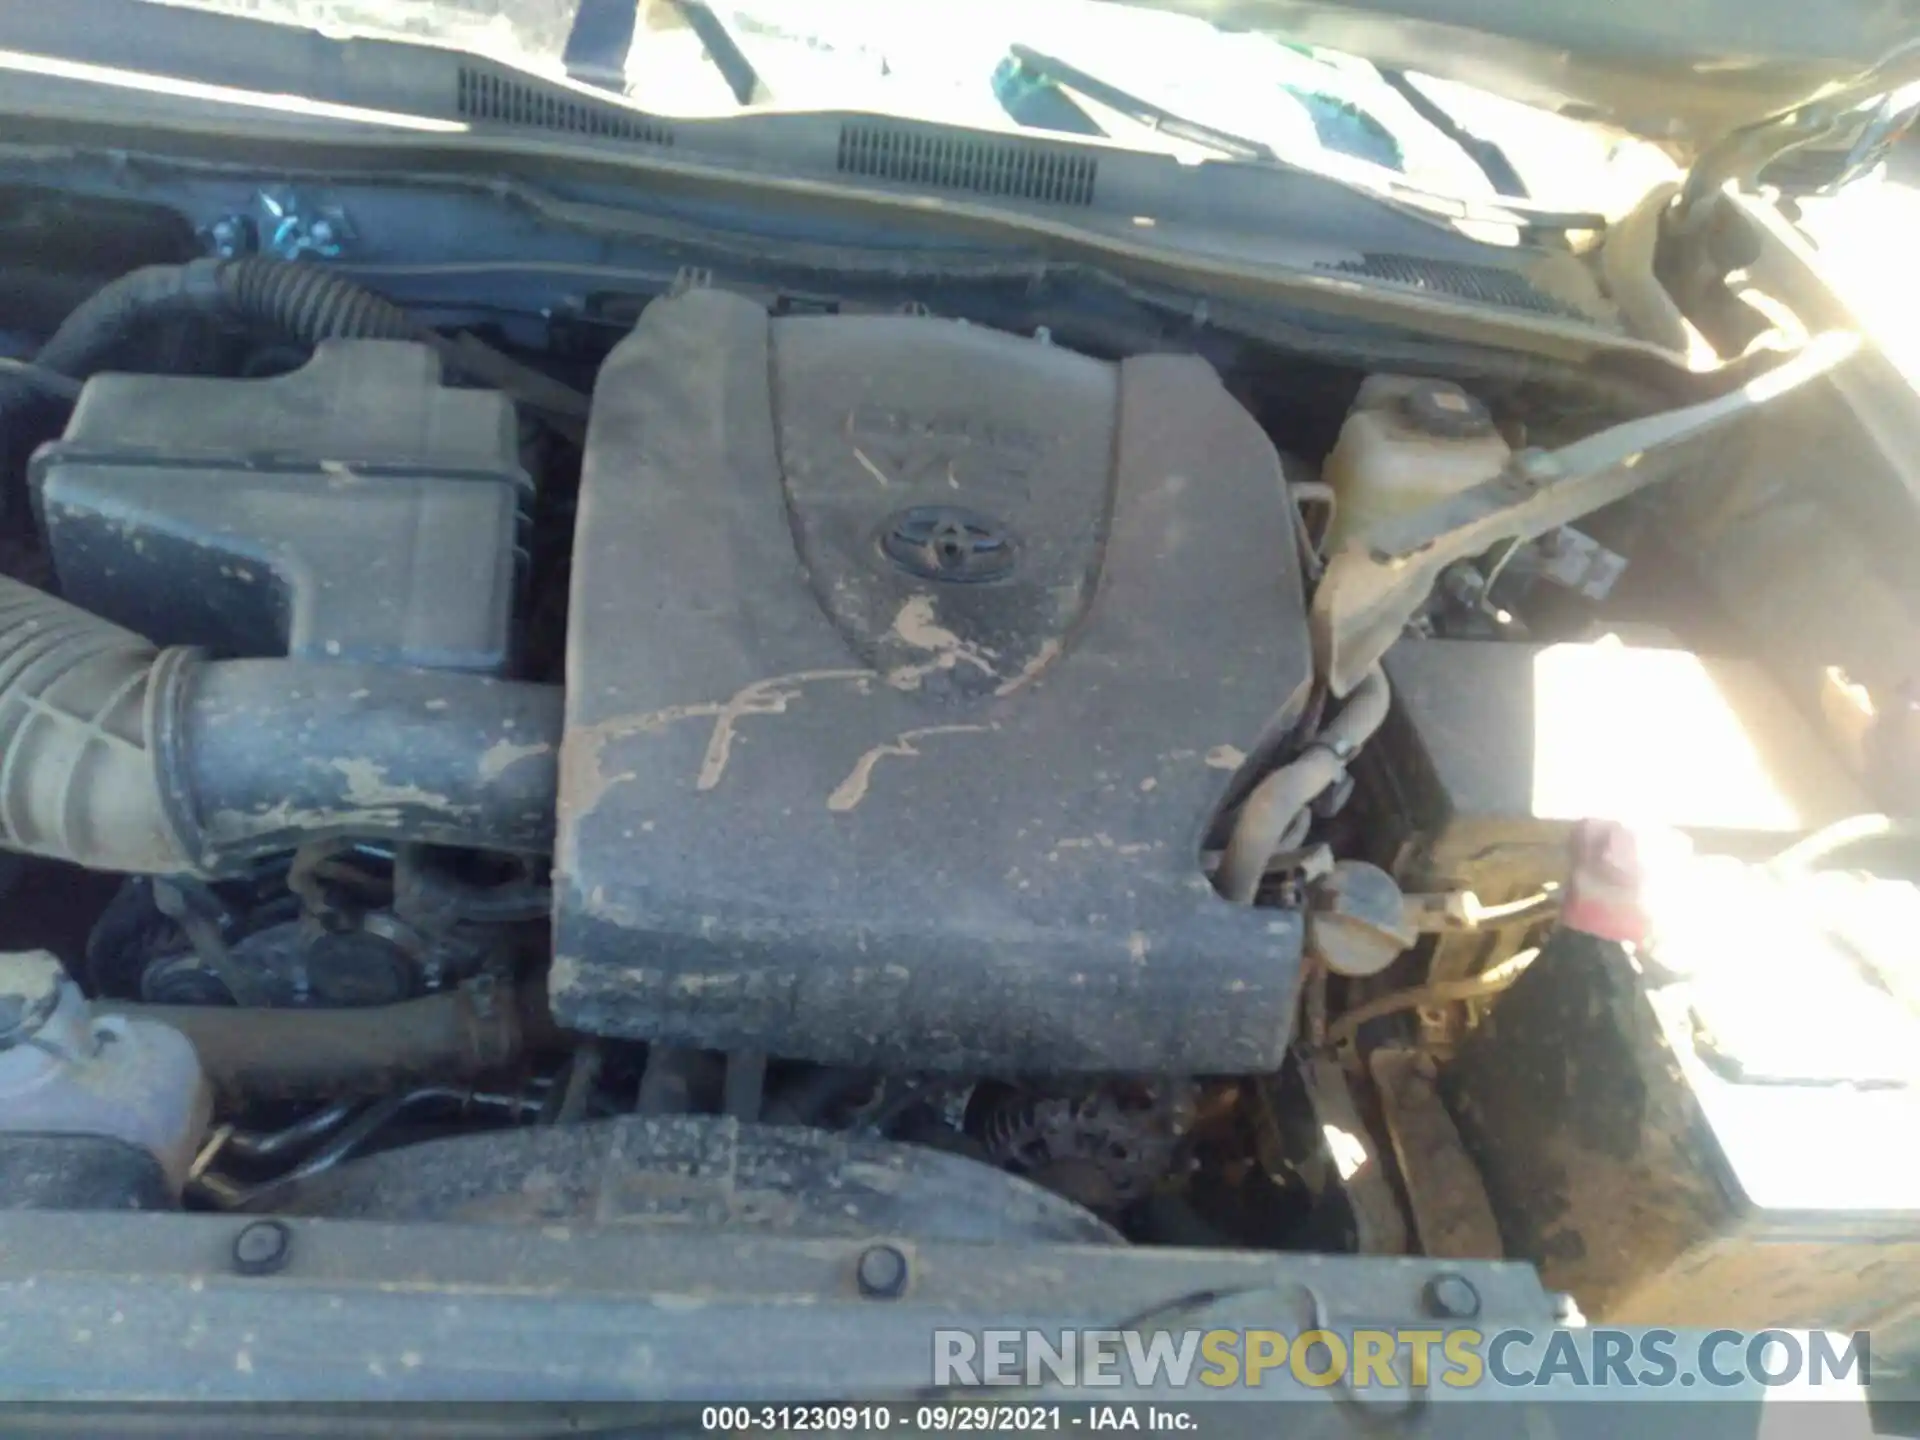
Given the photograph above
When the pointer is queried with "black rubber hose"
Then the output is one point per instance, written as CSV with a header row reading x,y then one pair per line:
x,y
300,1054
265,755
302,302
308,304
113,312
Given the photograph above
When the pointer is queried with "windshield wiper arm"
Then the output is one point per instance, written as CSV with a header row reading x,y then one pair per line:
x,y
725,52
1139,110
597,43
602,34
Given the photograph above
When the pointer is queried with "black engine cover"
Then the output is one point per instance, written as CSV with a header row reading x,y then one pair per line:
x,y
908,664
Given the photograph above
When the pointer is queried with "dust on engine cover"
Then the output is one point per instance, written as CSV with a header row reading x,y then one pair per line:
x,y
908,665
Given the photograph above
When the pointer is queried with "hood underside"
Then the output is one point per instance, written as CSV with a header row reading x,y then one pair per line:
x,y
1683,74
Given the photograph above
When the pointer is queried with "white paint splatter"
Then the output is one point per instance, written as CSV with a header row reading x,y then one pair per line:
x,y
917,625
763,697
369,788
852,790
502,755
872,469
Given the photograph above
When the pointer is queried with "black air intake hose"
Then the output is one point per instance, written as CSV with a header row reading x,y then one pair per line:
x,y
118,757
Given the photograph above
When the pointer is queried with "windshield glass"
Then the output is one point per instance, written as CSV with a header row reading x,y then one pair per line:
x,y
1118,74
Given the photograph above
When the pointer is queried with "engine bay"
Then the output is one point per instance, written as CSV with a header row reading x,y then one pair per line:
x,y
851,770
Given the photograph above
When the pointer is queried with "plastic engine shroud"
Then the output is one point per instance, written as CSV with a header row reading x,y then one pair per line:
x,y
908,665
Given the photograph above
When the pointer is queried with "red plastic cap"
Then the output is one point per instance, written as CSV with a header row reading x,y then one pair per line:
x,y
1606,892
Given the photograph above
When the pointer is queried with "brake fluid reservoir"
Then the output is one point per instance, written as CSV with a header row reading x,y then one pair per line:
x,y
1408,443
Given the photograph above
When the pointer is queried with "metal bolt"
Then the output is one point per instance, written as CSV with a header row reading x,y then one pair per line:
x,y
1452,1297
231,235
882,1273
262,1248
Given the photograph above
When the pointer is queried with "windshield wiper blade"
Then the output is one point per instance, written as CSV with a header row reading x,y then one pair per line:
x,y
1486,154
1140,111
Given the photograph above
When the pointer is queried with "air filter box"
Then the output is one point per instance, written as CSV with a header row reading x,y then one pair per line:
x,y
355,509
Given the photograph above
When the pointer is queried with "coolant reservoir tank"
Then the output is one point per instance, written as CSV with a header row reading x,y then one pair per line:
x,y
1406,444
